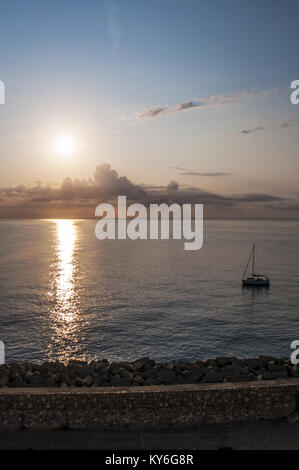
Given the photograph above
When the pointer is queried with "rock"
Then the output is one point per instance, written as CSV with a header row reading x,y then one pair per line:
x,y
115,369
149,374
15,380
273,367
192,376
18,369
229,370
100,380
213,377
4,381
223,361
28,375
264,360
55,378
125,365
35,381
252,363
3,371
143,364
144,371
166,376
119,381
79,382
240,378
186,365
125,374
171,366
188,379
138,380
278,374
87,381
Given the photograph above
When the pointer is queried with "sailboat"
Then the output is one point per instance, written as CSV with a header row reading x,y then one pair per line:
x,y
255,279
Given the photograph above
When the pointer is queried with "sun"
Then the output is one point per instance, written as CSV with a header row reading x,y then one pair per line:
x,y
64,146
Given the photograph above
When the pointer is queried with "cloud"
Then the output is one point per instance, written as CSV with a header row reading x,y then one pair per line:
x,y
283,206
188,172
79,197
197,195
210,101
105,184
197,173
178,168
282,124
257,197
172,186
250,131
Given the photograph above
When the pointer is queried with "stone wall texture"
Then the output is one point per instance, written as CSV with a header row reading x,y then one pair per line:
x,y
154,406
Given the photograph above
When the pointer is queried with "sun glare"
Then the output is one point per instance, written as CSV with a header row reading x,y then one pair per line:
x,y
65,146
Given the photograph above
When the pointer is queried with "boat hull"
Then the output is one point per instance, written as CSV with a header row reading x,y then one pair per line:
x,y
256,282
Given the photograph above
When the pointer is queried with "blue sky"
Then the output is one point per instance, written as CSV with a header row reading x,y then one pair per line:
x,y
89,68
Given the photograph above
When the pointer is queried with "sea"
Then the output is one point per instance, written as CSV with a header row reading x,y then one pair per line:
x,y
65,295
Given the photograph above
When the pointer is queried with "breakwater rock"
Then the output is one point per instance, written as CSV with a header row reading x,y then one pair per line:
x,y
144,372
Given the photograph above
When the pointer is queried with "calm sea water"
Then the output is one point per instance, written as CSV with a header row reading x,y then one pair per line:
x,y
65,294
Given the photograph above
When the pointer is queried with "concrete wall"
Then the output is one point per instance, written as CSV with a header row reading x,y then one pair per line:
x,y
46,408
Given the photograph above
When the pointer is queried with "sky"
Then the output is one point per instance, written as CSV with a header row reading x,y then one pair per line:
x,y
173,100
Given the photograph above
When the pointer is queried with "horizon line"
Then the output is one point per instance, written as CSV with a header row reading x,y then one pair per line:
x,y
98,218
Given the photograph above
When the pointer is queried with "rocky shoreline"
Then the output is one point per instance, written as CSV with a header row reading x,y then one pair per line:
x,y
144,371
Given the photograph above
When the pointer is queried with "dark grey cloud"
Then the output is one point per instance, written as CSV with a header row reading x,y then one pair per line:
x,y
172,186
286,123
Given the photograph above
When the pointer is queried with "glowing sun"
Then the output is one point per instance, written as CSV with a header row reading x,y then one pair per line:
x,y
64,146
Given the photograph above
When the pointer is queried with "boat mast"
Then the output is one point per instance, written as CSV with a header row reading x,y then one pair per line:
x,y
245,270
253,258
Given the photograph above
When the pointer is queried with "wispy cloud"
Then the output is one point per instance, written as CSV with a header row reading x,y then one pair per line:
x,y
189,172
198,173
286,123
206,102
113,26
250,131
282,124
178,168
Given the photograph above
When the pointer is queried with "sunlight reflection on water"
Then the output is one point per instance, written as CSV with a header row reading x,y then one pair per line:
x,y
63,295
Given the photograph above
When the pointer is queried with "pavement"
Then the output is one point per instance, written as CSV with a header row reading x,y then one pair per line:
x,y
247,436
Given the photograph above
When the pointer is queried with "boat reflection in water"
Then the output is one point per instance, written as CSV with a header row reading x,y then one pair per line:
x,y
63,293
